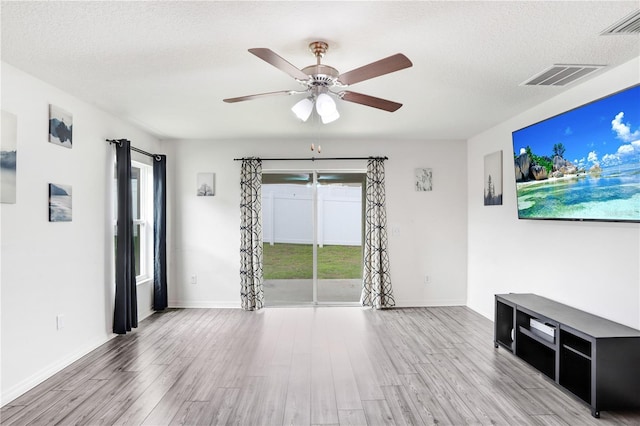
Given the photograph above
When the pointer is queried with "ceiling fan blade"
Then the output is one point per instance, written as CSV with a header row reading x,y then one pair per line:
x,y
259,95
279,62
371,101
384,66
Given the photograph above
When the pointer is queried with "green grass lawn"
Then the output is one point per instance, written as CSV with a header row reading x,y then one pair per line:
x,y
289,261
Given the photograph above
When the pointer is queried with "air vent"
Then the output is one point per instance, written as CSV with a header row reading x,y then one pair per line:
x,y
561,75
627,25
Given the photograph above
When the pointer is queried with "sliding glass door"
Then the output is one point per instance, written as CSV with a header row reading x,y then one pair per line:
x,y
312,233
288,237
339,237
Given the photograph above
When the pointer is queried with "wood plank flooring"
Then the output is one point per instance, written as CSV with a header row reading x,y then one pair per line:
x,y
304,366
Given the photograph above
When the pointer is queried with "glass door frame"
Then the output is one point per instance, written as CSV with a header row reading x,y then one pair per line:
x,y
314,219
314,203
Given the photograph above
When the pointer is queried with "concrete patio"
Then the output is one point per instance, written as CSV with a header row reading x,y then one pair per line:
x,y
300,291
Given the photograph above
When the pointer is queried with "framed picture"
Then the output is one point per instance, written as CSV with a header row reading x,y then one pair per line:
x,y
8,158
60,127
493,179
59,203
424,179
206,185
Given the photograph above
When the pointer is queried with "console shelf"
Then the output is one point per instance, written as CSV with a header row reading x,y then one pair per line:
x,y
595,359
580,354
535,337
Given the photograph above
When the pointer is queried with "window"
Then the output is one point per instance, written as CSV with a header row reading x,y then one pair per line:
x,y
142,196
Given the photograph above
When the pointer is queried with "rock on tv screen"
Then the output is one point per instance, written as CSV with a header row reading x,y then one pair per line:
x,y
583,164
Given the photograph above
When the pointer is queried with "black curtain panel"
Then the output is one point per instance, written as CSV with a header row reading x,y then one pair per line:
x,y
160,232
125,314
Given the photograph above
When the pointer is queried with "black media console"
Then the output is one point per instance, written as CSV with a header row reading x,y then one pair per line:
x,y
595,359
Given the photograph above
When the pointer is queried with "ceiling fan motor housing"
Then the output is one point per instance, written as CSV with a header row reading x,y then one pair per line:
x,y
321,75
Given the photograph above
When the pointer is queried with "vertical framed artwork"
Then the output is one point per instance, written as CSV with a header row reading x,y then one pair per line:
x,y
8,158
493,179
424,179
60,127
206,185
59,203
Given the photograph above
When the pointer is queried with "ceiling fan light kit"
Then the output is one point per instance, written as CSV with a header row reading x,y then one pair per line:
x,y
303,109
324,104
325,107
330,117
319,79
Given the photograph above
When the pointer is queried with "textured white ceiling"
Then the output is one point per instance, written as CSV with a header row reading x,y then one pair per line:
x,y
167,65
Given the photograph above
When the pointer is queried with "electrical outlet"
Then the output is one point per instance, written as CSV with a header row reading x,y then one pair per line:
x,y
194,279
59,322
427,279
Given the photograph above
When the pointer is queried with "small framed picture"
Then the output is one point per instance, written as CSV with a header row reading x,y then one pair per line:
x,y
206,185
424,179
59,203
8,157
60,127
493,179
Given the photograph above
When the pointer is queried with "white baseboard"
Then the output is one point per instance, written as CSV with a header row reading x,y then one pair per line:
x,y
145,314
412,303
42,375
204,304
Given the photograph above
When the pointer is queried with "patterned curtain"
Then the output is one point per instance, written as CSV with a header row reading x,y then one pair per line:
x,y
251,234
376,289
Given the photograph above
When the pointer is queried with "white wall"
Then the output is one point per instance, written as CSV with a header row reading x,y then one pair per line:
x,y
57,268
427,230
594,266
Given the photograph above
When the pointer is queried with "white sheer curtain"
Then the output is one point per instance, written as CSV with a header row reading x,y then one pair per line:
x,y
376,289
251,277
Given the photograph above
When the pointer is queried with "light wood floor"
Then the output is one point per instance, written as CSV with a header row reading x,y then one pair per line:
x,y
304,366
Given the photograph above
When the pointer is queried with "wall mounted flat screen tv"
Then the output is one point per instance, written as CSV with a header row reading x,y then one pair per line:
x,y
583,164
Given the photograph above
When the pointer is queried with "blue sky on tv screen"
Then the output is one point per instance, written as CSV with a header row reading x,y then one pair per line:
x,y
604,132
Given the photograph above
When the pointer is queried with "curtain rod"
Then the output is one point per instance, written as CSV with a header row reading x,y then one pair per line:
x,y
133,148
311,158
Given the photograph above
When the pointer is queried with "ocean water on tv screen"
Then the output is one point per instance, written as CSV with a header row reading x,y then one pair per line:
x,y
613,194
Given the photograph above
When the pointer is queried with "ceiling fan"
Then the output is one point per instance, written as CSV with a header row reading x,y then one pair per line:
x,y
320,81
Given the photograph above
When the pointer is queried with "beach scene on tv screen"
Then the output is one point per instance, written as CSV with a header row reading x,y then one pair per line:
x,y
583,164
